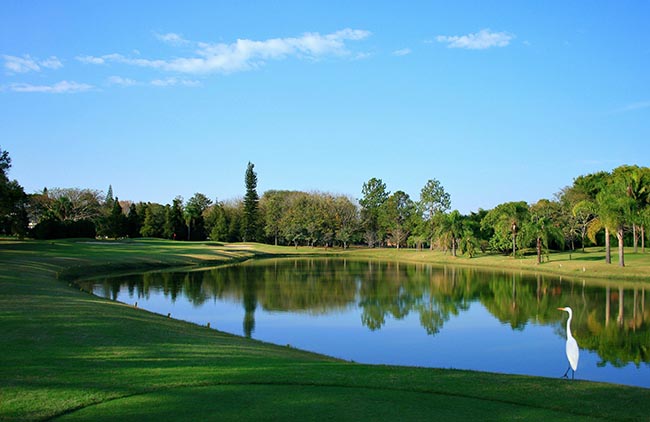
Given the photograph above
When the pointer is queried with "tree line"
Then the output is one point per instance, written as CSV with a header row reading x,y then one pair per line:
x,y
595,209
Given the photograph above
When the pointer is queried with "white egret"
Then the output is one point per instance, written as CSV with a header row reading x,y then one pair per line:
x,y
572,351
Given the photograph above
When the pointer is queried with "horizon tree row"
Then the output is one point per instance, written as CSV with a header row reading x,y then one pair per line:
x,y
589,212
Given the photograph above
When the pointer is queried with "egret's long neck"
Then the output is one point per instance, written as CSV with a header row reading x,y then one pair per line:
x,y
568,325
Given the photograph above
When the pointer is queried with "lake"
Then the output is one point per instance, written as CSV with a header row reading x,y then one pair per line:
x,y
410,314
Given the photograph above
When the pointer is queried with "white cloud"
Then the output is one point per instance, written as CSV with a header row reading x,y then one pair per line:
x,y
171,38
118,80
244,54
90,60
26,63
402,52
477,41
58,88
52,62
175,81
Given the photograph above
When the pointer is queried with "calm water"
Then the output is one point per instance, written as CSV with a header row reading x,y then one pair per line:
x,y
409,314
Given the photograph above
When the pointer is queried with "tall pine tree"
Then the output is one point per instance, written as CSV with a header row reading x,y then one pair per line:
x,y
109,197
250,221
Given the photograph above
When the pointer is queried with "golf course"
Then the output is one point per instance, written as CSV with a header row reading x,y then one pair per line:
x,y
69,355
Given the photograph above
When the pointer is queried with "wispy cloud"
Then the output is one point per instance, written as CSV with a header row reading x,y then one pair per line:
x,y
481,40
91,60
243,54
62,87
172,38
26,63
118,80
402,52
175,81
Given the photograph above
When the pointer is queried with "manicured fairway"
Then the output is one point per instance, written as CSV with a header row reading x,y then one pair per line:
x,y
68,355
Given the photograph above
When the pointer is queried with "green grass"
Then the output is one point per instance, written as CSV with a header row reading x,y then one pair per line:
x,y
67,355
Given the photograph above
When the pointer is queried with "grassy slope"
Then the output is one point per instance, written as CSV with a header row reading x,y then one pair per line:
x,y
64,352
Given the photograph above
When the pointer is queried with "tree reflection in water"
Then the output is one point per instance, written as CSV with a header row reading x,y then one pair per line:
x,y
610,319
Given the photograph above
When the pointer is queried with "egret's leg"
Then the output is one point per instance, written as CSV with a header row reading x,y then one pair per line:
x,y
566,374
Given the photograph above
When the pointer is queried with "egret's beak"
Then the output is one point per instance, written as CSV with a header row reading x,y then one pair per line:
x,y
560,309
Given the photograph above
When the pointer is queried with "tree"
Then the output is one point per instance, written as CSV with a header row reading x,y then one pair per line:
x,y
637,187
13,201
74,204
273,206
234,212
541,227
615,209
109,196
174,221
346,219
132,224
194,210
506,220
374,196
584,213
450,227
250,221
217,223
396,215
154,221
433,200
116,221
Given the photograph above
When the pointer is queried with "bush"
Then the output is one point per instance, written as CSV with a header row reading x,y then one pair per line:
x,y
56,229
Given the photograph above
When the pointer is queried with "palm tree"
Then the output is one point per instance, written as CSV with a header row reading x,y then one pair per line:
x,y
637,188
614,209
541,228
506,220
451,228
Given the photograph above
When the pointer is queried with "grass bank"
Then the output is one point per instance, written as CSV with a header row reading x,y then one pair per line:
x,y
67,355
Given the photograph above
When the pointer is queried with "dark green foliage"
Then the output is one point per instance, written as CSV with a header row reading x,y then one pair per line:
x,y
109,196
154,220
502,219
250,221
133,222
395,217
57,229
374,195
194,211
116,221
175,227
234,217
216,223
13,201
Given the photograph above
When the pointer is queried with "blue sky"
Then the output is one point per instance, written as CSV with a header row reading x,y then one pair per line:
x,y
498,100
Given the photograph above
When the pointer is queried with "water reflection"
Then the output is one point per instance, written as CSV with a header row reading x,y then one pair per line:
x,y
611,321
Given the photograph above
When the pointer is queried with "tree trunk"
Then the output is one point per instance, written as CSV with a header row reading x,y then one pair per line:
x,y
539,250
514,243
583,240
643,238
608,305
621,248
621,314
608,252
635,238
